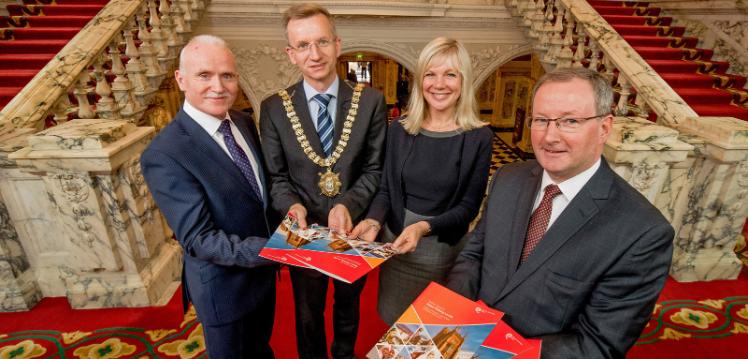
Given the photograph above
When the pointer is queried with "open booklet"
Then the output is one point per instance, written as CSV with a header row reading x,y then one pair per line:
x,y
442,324
327,251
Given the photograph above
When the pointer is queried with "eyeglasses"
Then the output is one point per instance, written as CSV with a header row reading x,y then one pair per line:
x,y
306,46
563,124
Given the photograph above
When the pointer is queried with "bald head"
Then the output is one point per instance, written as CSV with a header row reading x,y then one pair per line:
x,y
198,42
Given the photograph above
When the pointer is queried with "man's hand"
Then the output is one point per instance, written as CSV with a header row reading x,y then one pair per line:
x,y
339,219
408,239
366,230
299,211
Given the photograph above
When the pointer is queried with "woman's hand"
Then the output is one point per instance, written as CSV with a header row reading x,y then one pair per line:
x,y
408,239
366,230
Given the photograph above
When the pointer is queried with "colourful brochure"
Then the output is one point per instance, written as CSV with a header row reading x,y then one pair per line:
x,y
438,324
326,251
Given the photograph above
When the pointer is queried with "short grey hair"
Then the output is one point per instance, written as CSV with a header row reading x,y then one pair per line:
x,y
600,86
205,40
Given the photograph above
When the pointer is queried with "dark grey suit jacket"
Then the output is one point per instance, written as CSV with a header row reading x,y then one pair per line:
x,y
294,176
218,220
589,287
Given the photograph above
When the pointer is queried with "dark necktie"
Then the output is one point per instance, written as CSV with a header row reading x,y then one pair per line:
x,y
239,157
539,221
324,122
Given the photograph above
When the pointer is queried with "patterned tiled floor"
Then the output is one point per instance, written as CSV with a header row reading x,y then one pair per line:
x,y
501,154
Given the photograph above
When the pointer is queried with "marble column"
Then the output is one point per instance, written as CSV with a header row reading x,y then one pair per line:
x,y
716,200
111,247
18,286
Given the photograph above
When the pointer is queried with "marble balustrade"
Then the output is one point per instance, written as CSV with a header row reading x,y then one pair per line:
x,y
76,218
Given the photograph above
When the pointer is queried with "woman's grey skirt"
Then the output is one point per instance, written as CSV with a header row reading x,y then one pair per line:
x,y
404,276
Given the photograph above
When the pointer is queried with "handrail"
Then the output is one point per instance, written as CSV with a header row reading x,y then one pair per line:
x,y
86,65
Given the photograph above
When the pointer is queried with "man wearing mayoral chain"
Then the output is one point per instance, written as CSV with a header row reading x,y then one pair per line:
x,y
323,140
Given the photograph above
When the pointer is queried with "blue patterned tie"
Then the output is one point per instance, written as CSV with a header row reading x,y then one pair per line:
x,y
239,157
324,122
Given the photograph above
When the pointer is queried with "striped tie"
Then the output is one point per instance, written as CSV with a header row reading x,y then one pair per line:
x,y
239,157
324,123
539,221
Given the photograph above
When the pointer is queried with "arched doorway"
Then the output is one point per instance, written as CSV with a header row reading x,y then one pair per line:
x,y
380,72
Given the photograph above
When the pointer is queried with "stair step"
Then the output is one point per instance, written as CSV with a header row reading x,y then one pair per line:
x,y
638,20
44,21
694,96
674,42
31,46
7,94
686,80
721,110
681,66
619,10
65,2
666,53
53,10
16,77
38,33
645,30
25,61
617,3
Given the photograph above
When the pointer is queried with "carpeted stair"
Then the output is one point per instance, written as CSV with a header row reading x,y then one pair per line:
x,y
701,81
33,33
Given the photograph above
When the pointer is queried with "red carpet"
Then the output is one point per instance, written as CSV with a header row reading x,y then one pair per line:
x,y
37,30
676,329
702,82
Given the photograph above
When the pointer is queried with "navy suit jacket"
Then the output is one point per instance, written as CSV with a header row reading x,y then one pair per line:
x,y
589,287
218,219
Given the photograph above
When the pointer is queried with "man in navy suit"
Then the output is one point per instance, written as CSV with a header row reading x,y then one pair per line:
x,y
566,248
206,173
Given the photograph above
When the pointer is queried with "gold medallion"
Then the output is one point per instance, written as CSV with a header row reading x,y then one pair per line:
x,y
329,183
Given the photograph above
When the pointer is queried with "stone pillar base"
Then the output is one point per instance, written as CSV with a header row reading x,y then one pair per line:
x,y
17,293
152,286
704,265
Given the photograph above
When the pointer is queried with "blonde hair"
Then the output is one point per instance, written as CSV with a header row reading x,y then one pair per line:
x,y
451,51
303,11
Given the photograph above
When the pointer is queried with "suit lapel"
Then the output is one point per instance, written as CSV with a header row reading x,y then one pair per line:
x,y
300,105
205,145
345,93
580,210
525,200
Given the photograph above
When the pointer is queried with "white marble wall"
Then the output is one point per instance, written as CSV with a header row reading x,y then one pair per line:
x,y
104,242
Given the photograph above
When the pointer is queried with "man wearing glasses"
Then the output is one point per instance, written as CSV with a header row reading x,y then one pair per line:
x,y
323,140
566,248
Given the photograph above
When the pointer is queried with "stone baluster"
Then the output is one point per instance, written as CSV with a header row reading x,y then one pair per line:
x,y
528,13
713,204
154,72
545,29
556,40
135,68
609,66
121,86
565,55
537,21
81,91
174,39
105,106
156,34
61,109
175,16
188,19
641,108
594,56
580,53
624,90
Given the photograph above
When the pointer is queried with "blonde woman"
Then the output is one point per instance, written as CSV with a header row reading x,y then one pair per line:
x,y
434,177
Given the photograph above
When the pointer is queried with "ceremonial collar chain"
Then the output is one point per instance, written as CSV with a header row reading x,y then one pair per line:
x,y
330,182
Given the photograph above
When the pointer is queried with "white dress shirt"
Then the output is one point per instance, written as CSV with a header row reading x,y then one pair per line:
x,y
569,189
332,107
211,124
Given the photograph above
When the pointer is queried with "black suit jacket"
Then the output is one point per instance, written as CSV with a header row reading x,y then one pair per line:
x,y
218,219
589,287
294,176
